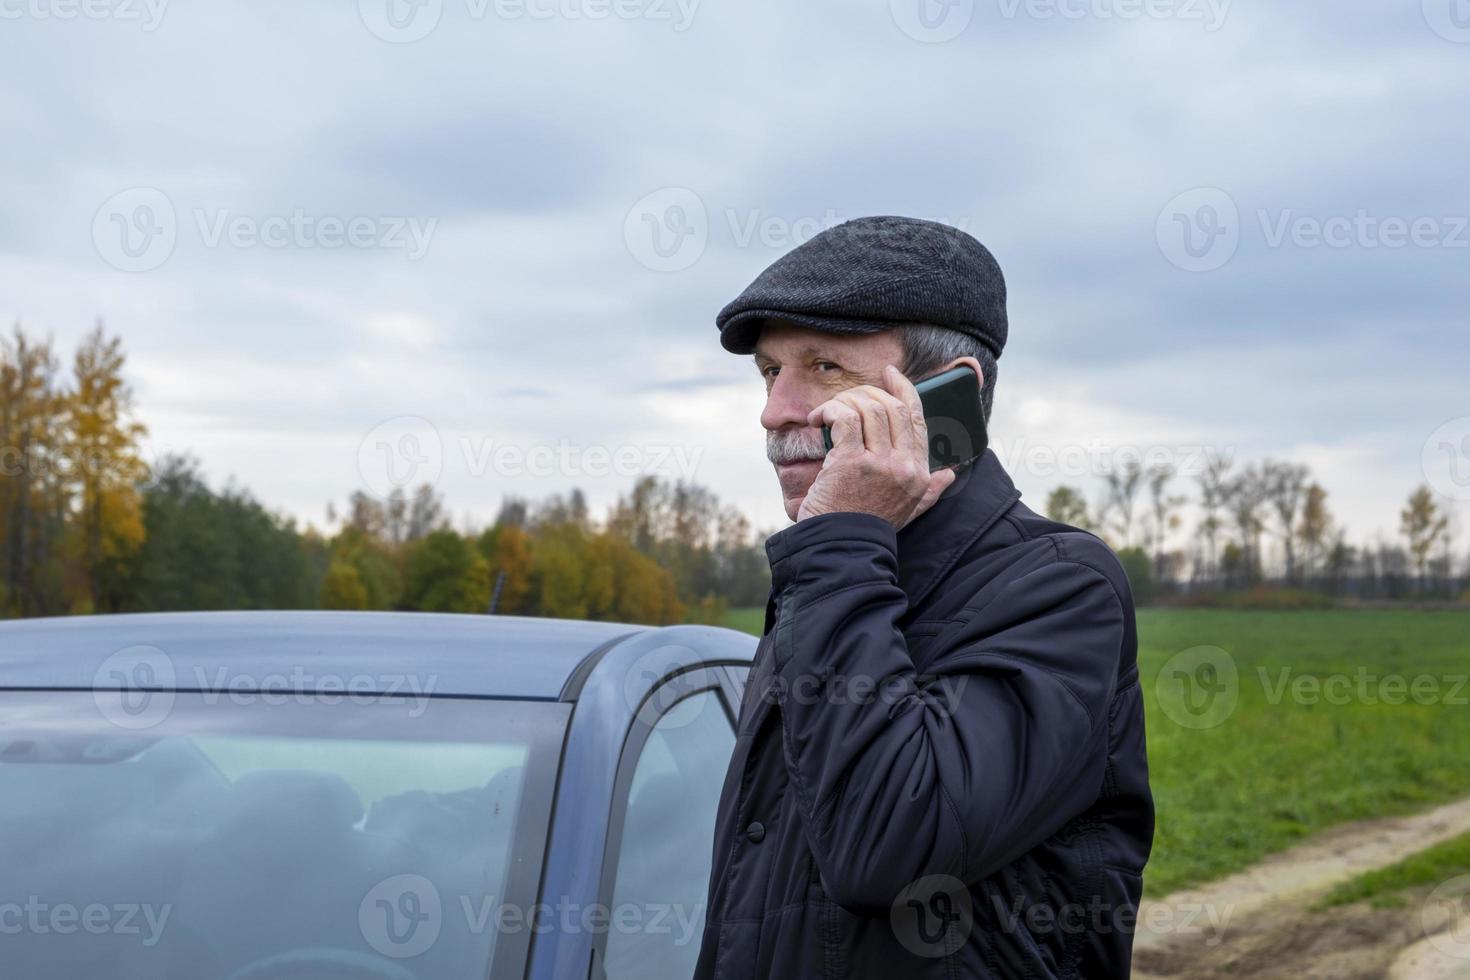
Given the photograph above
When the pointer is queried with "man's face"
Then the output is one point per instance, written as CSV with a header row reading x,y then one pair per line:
x,y
804,368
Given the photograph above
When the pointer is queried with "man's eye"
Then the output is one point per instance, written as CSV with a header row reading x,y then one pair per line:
x,y
827,366
770,371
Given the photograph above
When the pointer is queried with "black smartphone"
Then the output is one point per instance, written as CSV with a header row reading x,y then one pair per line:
x,y
952,410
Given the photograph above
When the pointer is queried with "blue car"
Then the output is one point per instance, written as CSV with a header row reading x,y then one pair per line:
x,y
359,796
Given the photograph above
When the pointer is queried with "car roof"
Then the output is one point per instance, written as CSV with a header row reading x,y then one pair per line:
x,y
459,655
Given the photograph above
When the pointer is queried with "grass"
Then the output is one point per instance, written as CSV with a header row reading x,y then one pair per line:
x,y
1382,887
1288,761
748,620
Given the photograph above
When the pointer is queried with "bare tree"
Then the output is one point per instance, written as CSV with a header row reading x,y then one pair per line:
x,y
1163,515
1284,485
425,513
1213,482
1243,497
1123,484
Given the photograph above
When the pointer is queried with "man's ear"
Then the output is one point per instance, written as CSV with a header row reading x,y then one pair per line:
x,y
968,362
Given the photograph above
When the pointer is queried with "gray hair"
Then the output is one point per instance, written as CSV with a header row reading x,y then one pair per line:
x,y
926,348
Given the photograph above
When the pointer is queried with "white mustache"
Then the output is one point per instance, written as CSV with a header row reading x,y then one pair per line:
x,y
794,446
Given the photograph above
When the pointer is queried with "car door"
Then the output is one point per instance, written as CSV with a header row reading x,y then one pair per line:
x,y
660,843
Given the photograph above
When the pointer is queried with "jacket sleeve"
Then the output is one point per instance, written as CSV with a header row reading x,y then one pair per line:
x,y
957,771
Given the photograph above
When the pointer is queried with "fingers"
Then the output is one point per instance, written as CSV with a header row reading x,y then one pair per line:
x,y
887,422
856,421
939,481
845,422
903,389
882,429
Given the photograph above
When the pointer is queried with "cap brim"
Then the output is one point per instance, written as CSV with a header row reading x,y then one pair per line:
x,y
742,332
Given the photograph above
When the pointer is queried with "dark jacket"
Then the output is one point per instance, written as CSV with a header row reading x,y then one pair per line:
x,y
940,766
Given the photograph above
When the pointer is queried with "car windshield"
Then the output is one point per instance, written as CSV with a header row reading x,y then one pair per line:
x,y
244,838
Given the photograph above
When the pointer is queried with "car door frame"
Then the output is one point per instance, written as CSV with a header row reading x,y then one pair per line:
x,y
687,685
608,690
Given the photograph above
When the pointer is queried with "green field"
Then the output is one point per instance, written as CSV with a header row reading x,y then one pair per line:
x,y
1337,715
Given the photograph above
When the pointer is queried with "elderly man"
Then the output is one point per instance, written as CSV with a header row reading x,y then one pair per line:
x,y
940,766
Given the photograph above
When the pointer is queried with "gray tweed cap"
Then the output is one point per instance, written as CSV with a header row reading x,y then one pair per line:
x,y
870,274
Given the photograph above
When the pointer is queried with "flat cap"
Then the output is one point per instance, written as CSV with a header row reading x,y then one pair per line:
x,y
869,274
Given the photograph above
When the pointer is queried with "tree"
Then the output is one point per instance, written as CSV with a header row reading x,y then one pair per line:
x,y
642,516
1163,517
368,515
425,513
507,551
207,550
1138,568
742,576
1284,484
444,574
1123,487
1422,523
1340,559
1067,505
375,563
1214,481
1315,525
342,588
33,501
1243,497
108,469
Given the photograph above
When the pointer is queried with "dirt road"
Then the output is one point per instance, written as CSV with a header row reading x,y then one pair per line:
x,y
1257,922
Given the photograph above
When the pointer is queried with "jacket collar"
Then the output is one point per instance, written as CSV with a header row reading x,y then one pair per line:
x,y
930,545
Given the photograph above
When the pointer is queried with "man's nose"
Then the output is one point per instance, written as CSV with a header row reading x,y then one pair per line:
x,y
786,405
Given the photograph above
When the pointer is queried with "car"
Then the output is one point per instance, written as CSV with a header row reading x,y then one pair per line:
x,y
359,795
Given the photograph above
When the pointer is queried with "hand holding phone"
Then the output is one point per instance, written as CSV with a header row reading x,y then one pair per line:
x,y
953,416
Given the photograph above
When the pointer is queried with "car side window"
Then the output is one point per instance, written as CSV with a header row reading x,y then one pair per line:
x,y
656,919
739,677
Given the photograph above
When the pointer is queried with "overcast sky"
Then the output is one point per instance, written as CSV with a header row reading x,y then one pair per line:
x,y
484,241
